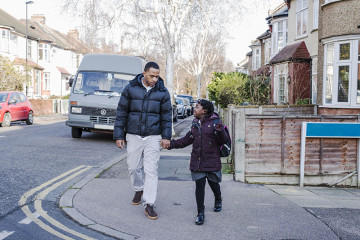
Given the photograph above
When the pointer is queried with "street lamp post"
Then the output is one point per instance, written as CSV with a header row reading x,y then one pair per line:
x,y
26,57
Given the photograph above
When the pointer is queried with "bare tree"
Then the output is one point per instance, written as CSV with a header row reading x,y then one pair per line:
x,y
142,22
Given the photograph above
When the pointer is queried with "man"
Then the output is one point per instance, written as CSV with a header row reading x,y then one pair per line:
x,y
144,115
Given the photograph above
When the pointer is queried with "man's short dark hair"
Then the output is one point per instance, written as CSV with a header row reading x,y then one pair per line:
x,y
207,105
151,65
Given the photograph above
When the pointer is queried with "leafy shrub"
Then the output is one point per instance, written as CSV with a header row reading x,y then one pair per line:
x,y
238,88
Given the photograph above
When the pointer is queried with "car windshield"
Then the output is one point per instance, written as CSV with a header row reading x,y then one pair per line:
x,y
187,96
101,83
3,97
179,101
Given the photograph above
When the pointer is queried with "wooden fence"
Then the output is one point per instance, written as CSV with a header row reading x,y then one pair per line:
x,y
266,146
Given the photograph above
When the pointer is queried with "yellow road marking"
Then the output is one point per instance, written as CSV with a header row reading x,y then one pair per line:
x,y
38,206
40,210
24,197
29,214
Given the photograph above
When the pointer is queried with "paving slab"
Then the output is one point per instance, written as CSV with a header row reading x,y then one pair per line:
x,y
249,212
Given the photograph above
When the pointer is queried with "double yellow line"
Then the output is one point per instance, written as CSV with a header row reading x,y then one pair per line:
x,y
38,204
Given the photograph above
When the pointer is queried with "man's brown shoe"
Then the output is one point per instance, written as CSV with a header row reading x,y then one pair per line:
x,y
149,211
137,198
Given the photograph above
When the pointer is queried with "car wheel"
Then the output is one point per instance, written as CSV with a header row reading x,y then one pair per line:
x,y
30,118
76,132
6,120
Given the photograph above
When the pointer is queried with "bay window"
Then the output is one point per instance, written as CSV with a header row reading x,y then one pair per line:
x,y
341,73
301,18
5,39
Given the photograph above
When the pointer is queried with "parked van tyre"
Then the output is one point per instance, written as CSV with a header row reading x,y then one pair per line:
x,y
30,118
76,132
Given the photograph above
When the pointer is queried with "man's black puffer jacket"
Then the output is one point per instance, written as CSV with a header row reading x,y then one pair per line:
x,y
144,113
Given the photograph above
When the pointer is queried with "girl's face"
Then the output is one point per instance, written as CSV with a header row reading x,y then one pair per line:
x,y
199,112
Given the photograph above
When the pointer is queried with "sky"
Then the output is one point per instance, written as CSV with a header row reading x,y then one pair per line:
x,y
253,23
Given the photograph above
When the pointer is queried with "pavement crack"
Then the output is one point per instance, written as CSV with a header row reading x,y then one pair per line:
x,y
326,224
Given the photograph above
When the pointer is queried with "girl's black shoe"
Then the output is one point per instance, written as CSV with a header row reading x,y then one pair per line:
x,y
218,205
200,218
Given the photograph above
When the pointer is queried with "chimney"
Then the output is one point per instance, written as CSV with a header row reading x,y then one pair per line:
x,y
74,34
39,18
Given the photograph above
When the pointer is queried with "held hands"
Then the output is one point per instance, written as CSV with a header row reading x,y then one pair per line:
x,y
165,143
120,143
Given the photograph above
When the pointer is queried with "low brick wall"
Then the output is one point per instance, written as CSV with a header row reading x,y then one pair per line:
x,y
338,111
42,107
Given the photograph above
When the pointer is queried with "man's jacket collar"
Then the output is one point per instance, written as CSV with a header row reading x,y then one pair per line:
x,y
158,86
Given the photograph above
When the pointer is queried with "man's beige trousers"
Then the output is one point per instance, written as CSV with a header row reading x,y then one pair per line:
x,y
143,157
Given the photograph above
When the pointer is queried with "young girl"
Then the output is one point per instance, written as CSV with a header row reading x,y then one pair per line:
x,y
205,160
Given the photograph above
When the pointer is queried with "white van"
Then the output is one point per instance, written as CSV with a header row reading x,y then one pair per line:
x,y
96,90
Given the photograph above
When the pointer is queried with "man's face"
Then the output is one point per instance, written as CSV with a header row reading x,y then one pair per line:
x,y
151,77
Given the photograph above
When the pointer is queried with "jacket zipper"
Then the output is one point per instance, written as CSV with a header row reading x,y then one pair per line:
x,y
199,128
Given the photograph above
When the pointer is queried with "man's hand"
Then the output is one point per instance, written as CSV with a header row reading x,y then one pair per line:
x,y
165,143
120,143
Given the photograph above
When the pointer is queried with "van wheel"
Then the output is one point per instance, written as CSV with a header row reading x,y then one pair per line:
x,y
76,132
7,120
30,118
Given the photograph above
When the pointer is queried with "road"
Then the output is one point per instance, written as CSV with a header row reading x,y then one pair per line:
x,y
33,156
38,164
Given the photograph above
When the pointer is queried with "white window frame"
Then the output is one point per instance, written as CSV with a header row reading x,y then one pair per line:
x,y
302,13
267,50
14,45
276,47
353,70
280,70
283,100
256,64
29,52
46,81
5,40
315,14
44,49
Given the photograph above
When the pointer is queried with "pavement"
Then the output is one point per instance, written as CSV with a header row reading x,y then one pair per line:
x,y
102,202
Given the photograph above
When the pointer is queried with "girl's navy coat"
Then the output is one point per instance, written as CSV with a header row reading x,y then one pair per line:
x,y
205,155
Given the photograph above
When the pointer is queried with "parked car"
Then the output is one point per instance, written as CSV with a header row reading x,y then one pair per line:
x,y
14,106
191,101
183,107
174,112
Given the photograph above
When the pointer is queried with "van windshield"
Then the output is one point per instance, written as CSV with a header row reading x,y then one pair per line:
x,y
101,83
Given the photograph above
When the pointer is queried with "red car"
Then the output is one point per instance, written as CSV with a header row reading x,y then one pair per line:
x,y
14,106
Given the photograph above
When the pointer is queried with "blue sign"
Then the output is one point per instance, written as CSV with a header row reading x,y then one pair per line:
x,y
333,130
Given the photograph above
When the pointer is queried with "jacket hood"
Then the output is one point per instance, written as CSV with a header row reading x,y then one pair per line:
x,y
158,86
